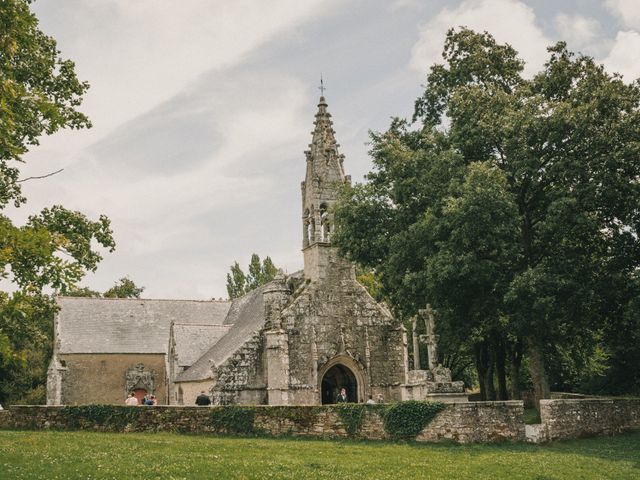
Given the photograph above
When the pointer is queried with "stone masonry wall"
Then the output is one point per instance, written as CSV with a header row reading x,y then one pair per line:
x,y
562,419
336,316
101,378
476,422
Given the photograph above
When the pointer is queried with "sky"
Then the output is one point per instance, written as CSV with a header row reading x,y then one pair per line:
x,y
201,111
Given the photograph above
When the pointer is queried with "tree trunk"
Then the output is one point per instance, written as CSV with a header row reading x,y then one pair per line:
x,y
484,367
539,378
515,362
501,373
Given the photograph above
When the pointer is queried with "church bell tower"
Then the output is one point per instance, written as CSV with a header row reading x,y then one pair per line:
x,y
323,180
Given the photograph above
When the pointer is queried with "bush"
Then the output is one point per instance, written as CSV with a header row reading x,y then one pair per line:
x,y
405,420
351,417
233,419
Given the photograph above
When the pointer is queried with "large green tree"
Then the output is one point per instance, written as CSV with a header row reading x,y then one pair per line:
x,y
512,204
259,273
39,93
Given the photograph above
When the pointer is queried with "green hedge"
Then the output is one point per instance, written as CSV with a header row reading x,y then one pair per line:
x,y
405,420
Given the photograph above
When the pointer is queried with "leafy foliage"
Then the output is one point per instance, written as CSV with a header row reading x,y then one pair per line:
x,y
260,273
351,415
405,420
39,94
124,288
116,417
233,419
511,205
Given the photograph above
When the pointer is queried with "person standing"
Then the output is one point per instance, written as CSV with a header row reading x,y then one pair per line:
x,y
203,399
342,396
131,400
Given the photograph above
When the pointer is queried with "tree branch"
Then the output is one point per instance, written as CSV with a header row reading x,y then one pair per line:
x,y
40,176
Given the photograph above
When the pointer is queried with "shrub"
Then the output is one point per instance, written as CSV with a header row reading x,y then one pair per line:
x,y
405,420
233,419
351,417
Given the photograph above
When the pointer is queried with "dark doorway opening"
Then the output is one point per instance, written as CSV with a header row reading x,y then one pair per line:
x,y
139,394
338,377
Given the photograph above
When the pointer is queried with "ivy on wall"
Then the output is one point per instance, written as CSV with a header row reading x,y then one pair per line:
x,y
233,419
402,420
405,420
351,415
116,417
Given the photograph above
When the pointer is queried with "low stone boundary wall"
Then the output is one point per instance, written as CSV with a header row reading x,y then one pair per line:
x,y
471,422
563,419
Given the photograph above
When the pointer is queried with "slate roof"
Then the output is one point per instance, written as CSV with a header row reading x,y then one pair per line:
x,y
119,325
246,316
192,341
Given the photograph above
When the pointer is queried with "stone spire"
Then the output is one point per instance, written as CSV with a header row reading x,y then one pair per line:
x,y
321,187
323,149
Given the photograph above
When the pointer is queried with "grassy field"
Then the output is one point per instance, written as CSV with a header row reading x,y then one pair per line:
x,y
69,455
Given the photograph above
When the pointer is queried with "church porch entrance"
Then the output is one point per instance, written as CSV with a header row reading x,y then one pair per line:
x,y
341,372
336,378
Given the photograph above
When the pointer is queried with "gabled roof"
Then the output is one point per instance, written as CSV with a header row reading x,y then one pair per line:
x,y
190,341
246,317
119,325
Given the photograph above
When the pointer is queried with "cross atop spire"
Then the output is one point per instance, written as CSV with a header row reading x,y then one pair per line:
x,y
321,87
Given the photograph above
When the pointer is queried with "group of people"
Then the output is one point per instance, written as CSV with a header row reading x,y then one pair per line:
x,y
344,398
149,400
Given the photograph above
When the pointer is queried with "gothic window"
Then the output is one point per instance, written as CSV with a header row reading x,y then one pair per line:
x,y
325,231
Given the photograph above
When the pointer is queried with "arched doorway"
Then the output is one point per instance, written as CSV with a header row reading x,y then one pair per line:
x,y
342,371
139,394
336,378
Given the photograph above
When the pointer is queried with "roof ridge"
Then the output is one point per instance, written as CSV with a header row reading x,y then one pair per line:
x,y
186,324
67,297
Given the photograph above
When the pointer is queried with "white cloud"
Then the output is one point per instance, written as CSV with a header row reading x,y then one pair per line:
x,y
628,11
145,51
509,21
624,56
195,152
402,4
578,31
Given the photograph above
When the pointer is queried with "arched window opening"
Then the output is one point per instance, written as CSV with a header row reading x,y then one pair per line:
x,y
307,227
325,229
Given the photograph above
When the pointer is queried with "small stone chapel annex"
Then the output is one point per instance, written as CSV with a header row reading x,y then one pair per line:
x,y
294,341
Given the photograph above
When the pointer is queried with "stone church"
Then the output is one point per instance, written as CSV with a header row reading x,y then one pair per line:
x,y
294,341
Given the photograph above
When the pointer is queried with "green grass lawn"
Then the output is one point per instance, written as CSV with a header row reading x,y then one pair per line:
x,y
68,455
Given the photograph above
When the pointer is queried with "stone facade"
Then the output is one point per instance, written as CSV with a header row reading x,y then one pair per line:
x,y
90,378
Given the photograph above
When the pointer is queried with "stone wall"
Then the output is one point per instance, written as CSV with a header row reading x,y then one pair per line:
x,y
475,422
562,419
